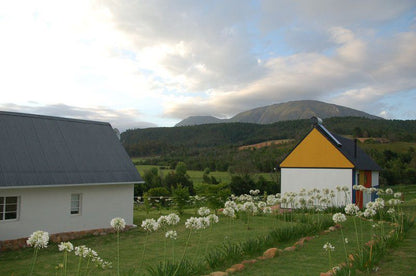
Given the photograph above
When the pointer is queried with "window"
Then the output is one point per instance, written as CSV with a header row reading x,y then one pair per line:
x,y
9,207
75,204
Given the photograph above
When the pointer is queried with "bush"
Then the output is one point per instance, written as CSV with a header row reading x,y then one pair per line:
x,y
180,197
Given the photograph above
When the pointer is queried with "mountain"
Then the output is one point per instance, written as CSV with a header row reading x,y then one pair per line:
x,y
293,110
199,120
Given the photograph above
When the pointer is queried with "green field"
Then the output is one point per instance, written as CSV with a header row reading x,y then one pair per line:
x,y
196,176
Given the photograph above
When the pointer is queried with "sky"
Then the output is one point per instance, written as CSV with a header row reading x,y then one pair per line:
x,y
139,64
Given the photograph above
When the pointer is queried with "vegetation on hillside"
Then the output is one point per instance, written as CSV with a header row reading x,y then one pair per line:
x,y
215,146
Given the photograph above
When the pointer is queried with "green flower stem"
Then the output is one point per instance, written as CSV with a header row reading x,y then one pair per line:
x,y
65,261
79,265
184,252
35,255
118,253
144,249
173,251
345,248
356,233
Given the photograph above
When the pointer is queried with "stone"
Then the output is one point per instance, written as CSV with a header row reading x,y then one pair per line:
x,y
309,238
270,253
299,243
218,273
332,229
290,248
252,261
231,270
238,267
326,274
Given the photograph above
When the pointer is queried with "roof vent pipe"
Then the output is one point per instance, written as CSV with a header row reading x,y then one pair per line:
x,y
316,121
355,148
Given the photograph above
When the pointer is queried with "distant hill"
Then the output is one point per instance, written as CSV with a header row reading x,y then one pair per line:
x,y
294,110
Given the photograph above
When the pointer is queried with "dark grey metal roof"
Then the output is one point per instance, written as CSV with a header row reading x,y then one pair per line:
x,y
351,151
46,151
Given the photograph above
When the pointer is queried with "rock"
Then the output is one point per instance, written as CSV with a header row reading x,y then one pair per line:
x,y
299,243
309,238
270,253
218,273
291,248
238,267
332,229
337,226
252,261
326,274
231,270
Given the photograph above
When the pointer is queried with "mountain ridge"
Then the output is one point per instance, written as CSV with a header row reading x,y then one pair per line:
x,y
293,110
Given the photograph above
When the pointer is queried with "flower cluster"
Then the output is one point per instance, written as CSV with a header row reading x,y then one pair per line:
x,y
171,234
351,209
118,224
339,217
204,211
254,192
84,252
38,239
229,212
66,246
328,247
194,223
150,225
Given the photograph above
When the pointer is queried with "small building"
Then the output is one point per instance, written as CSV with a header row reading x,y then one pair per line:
x,y
61,175
324,160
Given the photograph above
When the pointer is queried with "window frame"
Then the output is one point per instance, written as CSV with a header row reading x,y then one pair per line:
x,y
3,211
79,205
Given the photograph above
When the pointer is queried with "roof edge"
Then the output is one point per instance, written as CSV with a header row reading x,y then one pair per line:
x,y
70,185
48,117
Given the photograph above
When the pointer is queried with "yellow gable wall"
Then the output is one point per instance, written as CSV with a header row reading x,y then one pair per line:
x,y
315,151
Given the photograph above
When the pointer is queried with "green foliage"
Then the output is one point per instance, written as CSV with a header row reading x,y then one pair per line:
x,y
240,184
216,195
180,197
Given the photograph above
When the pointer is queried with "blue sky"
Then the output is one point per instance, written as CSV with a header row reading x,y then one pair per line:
x,y
153,63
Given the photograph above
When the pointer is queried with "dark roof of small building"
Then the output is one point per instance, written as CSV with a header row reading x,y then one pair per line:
x,y
350,150
40,150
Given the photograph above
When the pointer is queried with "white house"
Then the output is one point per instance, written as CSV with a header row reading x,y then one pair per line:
x,y
61,175
325,160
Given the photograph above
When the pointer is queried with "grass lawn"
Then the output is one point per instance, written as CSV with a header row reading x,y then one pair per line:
x,y
132,243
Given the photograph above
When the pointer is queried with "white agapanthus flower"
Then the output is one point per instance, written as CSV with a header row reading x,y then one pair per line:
x,y
345,188
254,192
261,204
204,211
38,239
393,202
230,204
66,246
351,209
193,223
328,247
346,240
389,191
369,212
397,195
391,211
101,263
205,222
118,223
267,210
229,212
173,219
213,218
250,207
163,221
171,234
339,217
81,251
150,225
271,200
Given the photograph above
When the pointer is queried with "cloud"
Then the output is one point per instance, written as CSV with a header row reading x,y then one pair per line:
x,y
121,119
353,76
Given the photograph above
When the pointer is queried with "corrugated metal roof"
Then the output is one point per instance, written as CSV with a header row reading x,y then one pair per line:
x,y
40,150
353,152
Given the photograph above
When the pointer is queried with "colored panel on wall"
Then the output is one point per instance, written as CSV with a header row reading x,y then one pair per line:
x,y
315,151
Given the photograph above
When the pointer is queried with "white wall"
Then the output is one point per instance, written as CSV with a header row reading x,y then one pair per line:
x,y
294,179
374,179
48,209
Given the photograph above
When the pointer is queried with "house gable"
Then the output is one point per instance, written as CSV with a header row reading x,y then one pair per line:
x,y
316,151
